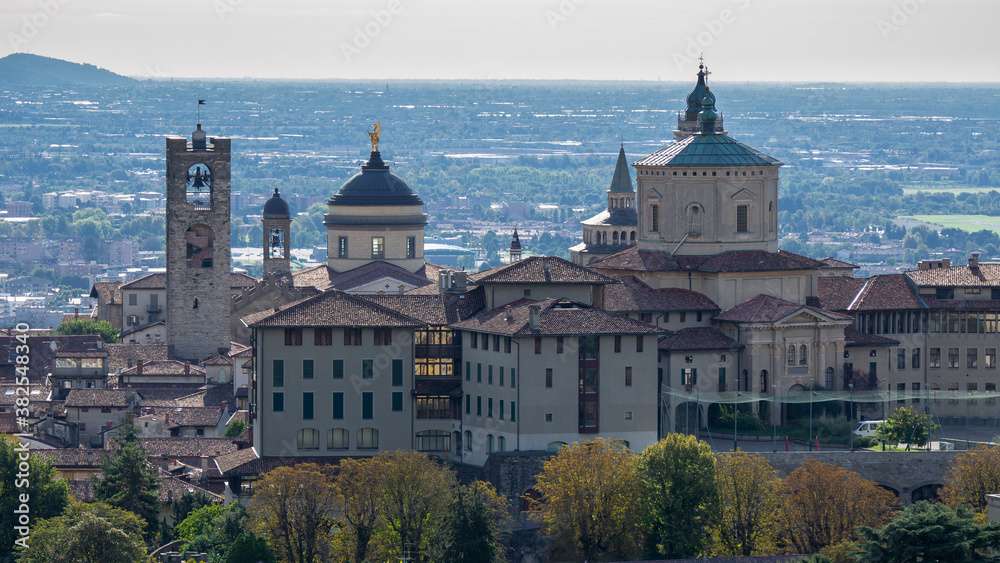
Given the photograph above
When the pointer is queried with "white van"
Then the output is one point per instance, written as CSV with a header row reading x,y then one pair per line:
x,y
867,428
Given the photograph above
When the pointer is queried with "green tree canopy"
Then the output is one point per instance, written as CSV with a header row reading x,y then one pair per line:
x,y
127,479
906,425
680,496
471,526
87,533
90,326
931,532
235,428
47,496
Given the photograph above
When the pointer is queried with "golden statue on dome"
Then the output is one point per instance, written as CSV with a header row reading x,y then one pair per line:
x,y
374,134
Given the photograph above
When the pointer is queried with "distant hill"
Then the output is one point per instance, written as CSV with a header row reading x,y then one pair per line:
x,y
28,69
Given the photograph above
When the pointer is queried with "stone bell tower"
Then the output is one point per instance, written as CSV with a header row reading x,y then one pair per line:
x,y
198,224
277,223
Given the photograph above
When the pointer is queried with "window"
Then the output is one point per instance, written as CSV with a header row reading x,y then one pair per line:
x,y
935,359
502,443
397,373
468,404
559,345
323,336
378,248
694,228
352,336
367,369
342,247
468,371
468,440
307,406
489,374
383,336
367,439
628,415
538,345
763,381
742,216
953,358
501,376
654,212
278,373
790,357
513,411
308,438
972,358
434,408
915,358
618,343
336,439
474,343
479,406
338,406
433,441
367,405
496,342
397,401
293,337
338,369
307,369
990,358
628,376
689,376
501,409
722,379
489,440
638,343
506,345
479,373
411,247
829,379
944,293
803,355
513,375
278,402
489,407
548,378
133,299
548,417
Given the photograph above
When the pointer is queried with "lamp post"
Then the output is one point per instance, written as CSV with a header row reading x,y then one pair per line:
x,y
774,418
812,385
888,392
851,427
736,419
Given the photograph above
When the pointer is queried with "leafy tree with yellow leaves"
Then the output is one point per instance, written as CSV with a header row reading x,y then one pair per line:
x,y
357,491
589,501
414,488
293,507
824,504
973,475
749,494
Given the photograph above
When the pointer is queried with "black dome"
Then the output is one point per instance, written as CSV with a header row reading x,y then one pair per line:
x,y
276,208
375,185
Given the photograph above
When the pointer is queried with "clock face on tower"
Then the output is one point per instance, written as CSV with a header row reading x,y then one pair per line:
x,y
199,184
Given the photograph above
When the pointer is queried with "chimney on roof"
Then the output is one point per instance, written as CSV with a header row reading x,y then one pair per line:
x,y
461,280
444,277
946,262
402,289
166,418
277,304
508,315
138,367
974,261
534,316
187,368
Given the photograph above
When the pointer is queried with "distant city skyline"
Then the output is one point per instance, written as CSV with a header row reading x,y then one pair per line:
x,y
742,40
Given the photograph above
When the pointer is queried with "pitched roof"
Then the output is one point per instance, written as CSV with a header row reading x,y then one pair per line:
x,y
767,308
832,262
633,295
71,457
708,150
435,309
109,292
228,462
837,292
164,367
8,423
616,217
373,271
330,308
621,181
121,356
698,338
158,280
557,317
188,447
317,276
887,291
855,338
99,398
541,269
986,275
194,416
634,259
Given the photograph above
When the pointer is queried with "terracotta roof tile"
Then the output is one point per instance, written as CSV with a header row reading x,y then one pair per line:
x,y
71,457
230,461
767,308
372,271
159,281
109,292
436,309
163,367
986,275
121,356
8,423
854,338
831,262
557,317
634,259
331,308
194,416
633,295
836,293
188,447
317,276
541,269
698,338
99,398
885,292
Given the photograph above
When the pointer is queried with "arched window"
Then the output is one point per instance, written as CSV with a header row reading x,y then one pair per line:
x,y
468,440
829,379
614,238
555,446
200,241
367,438
763,381
803,355
502,444
308,438
623,237
489,439
433,441
199,186
337,439
694,221
276,243
632,237
746,380
790,360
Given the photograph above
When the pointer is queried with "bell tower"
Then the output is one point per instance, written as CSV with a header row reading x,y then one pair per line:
x,y
198,225
277,224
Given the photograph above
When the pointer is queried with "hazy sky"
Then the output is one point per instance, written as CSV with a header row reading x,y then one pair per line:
x,y
743,40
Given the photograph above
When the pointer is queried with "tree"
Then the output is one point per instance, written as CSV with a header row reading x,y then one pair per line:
x,y
749,495
824,504
293,508
47,496
931,532
212,528
357,491
248,548
87,533
88,325
127,479
188,503
471,526
414,488
972,476
588,502
235,428
906,425
680,496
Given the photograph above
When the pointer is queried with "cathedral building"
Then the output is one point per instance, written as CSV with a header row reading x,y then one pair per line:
x,y
615,228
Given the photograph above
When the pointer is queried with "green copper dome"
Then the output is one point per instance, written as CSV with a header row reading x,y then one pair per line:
x,y
700,91
708,115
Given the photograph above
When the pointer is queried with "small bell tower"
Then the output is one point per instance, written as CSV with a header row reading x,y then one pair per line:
x,y
515,247
277,223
